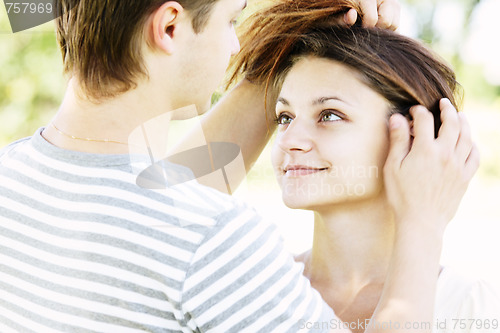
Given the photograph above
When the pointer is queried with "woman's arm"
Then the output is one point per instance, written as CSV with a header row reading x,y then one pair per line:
x,y
425,182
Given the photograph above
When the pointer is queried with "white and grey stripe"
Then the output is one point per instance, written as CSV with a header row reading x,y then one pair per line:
x,y
84,249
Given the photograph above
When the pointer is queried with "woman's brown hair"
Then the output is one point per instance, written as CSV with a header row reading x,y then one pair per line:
x,y
399,68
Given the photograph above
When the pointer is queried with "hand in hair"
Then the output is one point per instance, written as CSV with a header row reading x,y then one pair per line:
x,y
428,178
380,13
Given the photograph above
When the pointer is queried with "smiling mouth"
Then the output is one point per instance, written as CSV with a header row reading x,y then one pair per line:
x,y
302,171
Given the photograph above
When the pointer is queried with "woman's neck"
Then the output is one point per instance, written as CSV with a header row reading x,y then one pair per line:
x,y
352,247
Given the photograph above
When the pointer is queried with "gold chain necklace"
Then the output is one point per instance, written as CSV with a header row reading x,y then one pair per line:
x,y
86,139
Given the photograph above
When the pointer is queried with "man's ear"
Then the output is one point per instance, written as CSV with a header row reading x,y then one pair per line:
x,y
163,24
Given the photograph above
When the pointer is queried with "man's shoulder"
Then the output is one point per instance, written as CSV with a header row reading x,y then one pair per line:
x,y
223,208
230,217
12,146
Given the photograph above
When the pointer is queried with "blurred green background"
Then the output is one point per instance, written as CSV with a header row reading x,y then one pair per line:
x,y
464,32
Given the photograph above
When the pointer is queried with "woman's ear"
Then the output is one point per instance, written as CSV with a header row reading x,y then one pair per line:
x,y
163,25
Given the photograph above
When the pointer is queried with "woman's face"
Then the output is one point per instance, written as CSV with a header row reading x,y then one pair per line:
x,y
332,138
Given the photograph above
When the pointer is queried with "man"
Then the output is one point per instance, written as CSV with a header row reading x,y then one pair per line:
x,y
83,248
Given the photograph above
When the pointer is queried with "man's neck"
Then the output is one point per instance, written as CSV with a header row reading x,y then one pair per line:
x,y
111,126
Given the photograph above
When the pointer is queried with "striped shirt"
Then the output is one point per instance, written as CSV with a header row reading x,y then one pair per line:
x,y
84,249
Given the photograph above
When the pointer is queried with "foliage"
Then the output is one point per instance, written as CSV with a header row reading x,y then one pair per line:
x,y
31,81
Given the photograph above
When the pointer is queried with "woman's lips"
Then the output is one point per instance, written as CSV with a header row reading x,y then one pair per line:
x,y
300,170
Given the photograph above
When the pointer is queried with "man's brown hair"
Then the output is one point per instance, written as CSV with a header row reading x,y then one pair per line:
x,y
100,40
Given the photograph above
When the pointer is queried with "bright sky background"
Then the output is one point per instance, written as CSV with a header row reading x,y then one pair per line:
x,y
483,44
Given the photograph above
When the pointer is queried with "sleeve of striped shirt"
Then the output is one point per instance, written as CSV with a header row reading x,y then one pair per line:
x,y
243,280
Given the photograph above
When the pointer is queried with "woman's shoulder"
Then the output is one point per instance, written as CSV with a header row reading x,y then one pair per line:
x,y
462,297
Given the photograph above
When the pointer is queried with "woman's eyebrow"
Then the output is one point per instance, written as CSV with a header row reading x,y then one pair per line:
x,y
317,101
322,100
283,101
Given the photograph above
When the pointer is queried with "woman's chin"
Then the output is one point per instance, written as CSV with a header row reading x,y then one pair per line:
x,y
296,202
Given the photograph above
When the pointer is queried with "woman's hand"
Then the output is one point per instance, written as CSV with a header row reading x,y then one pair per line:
x,y
426,179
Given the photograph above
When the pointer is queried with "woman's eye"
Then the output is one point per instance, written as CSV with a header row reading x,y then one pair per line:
x,y
283,119
329,116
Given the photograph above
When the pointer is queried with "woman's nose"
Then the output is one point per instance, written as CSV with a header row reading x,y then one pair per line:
x,y
296,137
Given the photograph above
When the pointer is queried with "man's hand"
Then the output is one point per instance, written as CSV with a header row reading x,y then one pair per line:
x,y
380,13
426,182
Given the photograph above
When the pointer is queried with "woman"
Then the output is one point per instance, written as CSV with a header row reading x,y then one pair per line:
x,y
336,89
